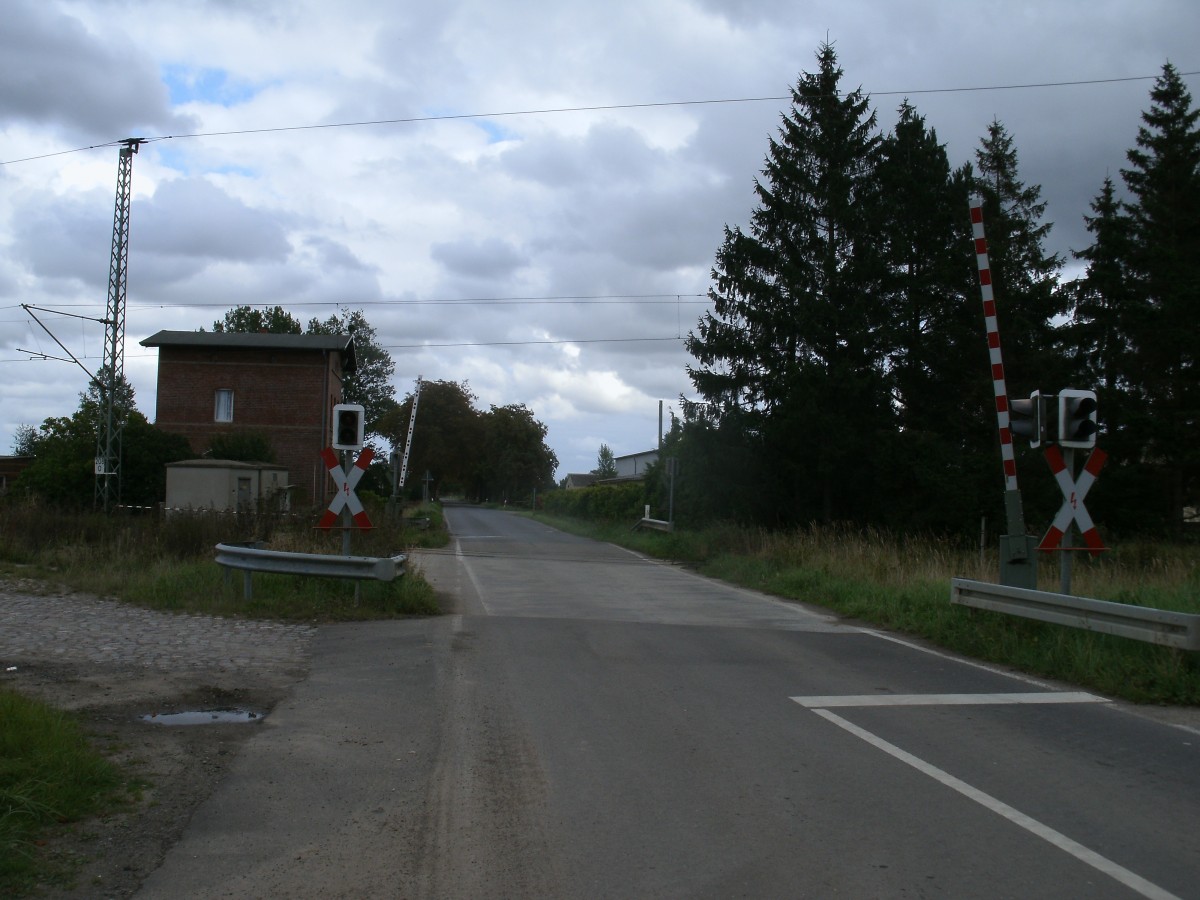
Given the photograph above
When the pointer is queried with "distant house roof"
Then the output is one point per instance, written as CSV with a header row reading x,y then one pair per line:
x,y
343,343
579,480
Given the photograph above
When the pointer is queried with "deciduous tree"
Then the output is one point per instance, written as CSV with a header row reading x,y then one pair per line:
x,y
370,382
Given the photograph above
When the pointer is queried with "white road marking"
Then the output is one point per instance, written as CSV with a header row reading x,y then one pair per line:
x,y
946,699
470,574
960,660
1131,880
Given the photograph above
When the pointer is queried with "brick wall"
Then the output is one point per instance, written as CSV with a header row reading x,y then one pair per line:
x,y
285,395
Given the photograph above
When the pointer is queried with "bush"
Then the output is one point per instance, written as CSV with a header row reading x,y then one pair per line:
x,y
603,502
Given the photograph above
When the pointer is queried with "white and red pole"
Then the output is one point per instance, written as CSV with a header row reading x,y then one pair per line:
x,y
1018,563
1007,456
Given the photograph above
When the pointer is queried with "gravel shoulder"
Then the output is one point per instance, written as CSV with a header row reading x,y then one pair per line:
x,y
111,664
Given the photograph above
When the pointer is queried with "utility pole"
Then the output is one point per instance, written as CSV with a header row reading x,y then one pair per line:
x,y
112,373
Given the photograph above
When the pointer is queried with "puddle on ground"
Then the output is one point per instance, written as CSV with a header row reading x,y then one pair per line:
x,y
203,717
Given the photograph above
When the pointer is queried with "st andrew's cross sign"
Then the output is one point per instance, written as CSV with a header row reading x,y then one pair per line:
x,y
1074,492
345,482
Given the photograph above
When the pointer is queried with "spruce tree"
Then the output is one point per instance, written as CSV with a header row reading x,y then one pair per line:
x,y
1107,310
793,348
937,361
1164,210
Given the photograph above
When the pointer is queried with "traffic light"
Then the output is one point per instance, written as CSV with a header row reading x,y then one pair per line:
x,y
348,426
1029,418
1077,419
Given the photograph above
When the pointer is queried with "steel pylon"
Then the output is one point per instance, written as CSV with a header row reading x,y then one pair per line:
x,y
112,372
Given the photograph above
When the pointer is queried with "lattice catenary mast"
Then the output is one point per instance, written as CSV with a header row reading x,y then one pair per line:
x,y
112,372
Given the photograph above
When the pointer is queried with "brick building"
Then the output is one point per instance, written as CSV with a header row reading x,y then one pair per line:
x,y
280,386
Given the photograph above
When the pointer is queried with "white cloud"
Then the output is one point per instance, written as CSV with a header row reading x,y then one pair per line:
x,y
623,206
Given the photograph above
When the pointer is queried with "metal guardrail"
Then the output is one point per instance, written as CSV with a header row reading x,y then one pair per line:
x,y
252,558
656,524
1155,626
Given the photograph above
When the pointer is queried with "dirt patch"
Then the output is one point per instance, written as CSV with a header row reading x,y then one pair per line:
x,y
178,766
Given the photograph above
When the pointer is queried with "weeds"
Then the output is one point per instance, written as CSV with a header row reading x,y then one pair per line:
x,y
167,563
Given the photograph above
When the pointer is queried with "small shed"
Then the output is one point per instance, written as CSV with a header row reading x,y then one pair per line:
x,y
226,485
10,468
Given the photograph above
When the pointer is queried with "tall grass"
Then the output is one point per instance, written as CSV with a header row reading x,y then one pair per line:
x,y
903,583
168,563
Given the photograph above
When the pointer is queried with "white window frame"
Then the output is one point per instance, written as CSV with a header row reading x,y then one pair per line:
x,y
223,411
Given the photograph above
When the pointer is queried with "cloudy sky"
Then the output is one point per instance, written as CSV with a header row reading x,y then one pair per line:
x,y
535,201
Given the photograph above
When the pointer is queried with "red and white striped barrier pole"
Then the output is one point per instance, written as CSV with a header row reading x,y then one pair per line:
x,y
1018,563
993,338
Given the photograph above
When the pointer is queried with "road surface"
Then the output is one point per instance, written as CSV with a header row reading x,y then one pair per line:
x,y
590,723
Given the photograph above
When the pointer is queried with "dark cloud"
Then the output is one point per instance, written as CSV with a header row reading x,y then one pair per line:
x,y
193,218
490,258
54,71
65,238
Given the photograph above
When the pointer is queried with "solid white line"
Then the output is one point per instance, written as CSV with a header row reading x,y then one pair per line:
x,y
946,699
1131,880
471,575
883,636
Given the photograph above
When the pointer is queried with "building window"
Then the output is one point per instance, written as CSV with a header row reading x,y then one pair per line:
x,y
224,406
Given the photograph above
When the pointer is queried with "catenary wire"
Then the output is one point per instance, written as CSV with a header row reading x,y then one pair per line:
x,y
449,117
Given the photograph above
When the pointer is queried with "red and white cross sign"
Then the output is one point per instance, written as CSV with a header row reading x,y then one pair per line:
x,y
345,484
1073,494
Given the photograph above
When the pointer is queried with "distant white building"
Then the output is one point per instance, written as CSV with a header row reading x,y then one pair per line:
x,y
634,465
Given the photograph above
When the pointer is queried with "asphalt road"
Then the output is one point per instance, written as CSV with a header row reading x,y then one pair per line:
x,y
593,724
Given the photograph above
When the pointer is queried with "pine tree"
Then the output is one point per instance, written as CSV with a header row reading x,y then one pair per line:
x,y
1164,181
1106,310
937,364
793,349
606,463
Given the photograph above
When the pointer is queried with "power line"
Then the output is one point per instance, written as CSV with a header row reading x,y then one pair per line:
x,y
450,117
41,357
533,343
580,299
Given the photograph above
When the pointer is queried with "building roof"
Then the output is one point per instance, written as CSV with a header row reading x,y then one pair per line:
x,y
222,464
638,454
343,343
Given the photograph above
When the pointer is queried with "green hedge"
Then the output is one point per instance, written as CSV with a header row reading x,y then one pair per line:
x,y
604,502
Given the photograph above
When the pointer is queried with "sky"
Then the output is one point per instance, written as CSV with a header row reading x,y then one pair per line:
x,y
523,196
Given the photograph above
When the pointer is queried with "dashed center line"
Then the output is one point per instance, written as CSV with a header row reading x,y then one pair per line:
x,y
821,706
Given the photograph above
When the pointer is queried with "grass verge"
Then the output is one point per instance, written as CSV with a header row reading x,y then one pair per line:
x,y
49,776
904,585
167,564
